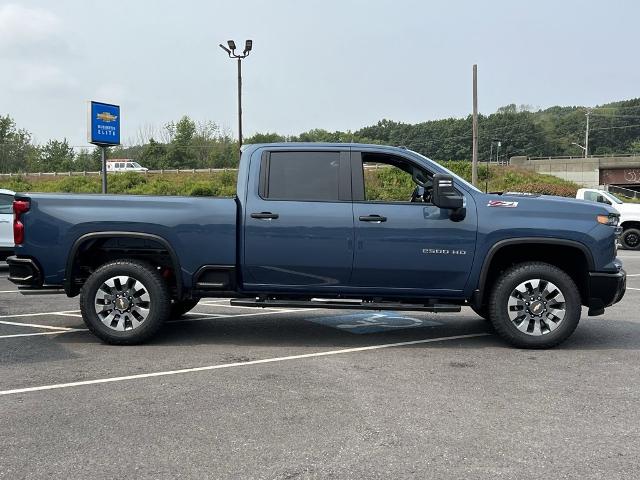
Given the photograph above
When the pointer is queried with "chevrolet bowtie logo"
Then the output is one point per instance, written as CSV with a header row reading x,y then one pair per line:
x,y
106,117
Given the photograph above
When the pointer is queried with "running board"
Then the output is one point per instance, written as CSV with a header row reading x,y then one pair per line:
x,y
343,304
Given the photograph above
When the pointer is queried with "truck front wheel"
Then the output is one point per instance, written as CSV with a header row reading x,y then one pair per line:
x,y
125,302
631,239
535,305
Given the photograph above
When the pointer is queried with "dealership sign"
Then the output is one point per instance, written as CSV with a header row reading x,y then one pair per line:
x,y
104,124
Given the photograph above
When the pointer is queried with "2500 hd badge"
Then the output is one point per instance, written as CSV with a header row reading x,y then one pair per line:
x,y
442,251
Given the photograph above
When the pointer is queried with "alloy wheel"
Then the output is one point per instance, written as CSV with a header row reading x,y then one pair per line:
x,y
536,307
122,303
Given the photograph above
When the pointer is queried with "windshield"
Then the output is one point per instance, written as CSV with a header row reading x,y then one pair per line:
x,y
614,198
457,177
135,164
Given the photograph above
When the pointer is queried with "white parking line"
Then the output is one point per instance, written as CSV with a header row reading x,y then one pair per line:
x,y
198,317
9,291
70,313
44,333
226,305
237,364
34,325
215,316
629,288
633,274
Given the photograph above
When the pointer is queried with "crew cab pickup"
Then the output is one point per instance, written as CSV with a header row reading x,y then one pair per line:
x,y
330,226
629,214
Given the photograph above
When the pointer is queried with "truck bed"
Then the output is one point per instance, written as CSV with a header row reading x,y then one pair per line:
x,y
200,230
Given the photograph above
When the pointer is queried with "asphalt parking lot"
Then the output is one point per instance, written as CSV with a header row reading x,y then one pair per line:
x,y
233,392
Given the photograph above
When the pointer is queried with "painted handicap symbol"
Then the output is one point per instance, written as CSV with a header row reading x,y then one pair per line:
x,y
373,322
383,320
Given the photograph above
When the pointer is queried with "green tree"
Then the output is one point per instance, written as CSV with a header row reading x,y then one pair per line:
x,y
16,150
154,155
88,161
181,153
57,156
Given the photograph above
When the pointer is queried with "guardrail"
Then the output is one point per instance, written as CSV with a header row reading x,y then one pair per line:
x,y
89,173
626,192
590,157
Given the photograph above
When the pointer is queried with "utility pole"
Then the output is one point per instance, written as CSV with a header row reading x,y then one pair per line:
x,y
231,51
474,159
586,136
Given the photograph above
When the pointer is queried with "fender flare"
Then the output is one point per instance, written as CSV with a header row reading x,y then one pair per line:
x,y
68,287
496,247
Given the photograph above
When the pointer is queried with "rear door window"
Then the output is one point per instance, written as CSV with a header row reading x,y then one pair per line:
x,y
301,176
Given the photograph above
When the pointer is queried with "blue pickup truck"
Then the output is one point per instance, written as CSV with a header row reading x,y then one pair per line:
x,y
312,225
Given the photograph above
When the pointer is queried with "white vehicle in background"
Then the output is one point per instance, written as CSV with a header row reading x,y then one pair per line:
x,y
6,223
629,214
124,165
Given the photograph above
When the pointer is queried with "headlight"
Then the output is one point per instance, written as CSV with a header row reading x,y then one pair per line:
x,y
611,219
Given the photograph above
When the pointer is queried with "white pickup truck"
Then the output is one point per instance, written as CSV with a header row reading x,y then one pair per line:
x,y
6,223
629,214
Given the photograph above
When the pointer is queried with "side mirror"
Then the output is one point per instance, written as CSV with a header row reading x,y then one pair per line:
x,y
444,193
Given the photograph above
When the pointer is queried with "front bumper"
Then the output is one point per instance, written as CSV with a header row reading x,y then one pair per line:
x,y
605,289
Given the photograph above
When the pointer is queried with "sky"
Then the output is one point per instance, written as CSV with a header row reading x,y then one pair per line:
x,y
336,65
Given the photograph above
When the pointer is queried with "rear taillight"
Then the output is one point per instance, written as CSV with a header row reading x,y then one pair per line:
x,y
19,207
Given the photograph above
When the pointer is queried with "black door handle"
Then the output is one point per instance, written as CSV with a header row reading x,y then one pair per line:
x,y
373,218
265,215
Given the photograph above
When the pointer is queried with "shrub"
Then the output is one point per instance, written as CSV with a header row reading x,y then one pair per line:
x,y
75,185
125,182
17,184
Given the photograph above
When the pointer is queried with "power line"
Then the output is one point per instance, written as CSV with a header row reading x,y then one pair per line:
x,y
618,127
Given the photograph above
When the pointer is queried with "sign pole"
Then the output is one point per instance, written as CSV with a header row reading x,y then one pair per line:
x,y
103,151
103,130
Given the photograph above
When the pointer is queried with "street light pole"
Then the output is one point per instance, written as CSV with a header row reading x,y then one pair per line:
x,y
586,136
231,51
239,102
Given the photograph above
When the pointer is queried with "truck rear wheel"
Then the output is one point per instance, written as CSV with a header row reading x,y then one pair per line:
x,y
630,239
535,305
125,302
180,307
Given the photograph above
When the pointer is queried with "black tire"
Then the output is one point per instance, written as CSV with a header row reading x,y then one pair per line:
x,y
180,307
630,239
500,311
157,291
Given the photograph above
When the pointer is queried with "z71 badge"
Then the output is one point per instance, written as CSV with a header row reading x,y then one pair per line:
x,y
502,203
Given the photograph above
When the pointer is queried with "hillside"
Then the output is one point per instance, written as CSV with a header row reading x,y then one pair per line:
x,y
614,128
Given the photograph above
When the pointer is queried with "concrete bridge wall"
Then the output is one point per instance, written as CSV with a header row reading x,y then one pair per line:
x,y
587,172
